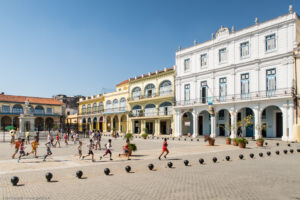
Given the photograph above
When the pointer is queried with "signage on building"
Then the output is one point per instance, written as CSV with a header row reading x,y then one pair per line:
x,y
187,123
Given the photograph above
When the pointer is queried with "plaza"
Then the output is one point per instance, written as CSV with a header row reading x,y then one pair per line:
x,y
267,177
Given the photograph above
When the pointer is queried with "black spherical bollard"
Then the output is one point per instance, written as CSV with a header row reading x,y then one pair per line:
x,y
277,152
197,140
285,151
291,150
178,139
261,154
251,155
14,180
289,145
79,174
215,159
277,143
106,171
184,139
241,156
298,150
191,139
151,166
128,168
173,138
268,153
186,162
227,158
49,176
170,164
266,143
201,161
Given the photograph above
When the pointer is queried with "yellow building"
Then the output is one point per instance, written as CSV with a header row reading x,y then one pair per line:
x,y
71,121
105,112
48,112
151,98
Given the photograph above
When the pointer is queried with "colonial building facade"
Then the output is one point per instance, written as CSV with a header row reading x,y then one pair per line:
x,y
47,112
249,72
151,98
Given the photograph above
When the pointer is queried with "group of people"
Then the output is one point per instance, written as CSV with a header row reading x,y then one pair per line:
x,y
94,144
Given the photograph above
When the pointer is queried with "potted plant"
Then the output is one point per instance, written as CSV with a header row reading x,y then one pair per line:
x,y
260,142
244,123
234,141
242,142
228,140
211,141
128,136
260,128
145,135
131,148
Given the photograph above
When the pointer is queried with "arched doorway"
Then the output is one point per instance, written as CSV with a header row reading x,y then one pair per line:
x,y
89,124
16,123
271,122
5,121
204,127
123,124
83,125
245,122
95,123
223,119
108,124
187,123
116,123
39,124
101,124
27,126
49,123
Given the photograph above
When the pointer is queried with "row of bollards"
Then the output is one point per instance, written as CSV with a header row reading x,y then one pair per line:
x,y
14,180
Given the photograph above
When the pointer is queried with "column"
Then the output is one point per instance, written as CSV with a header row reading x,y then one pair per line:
x,y
233,124
120,120
257,125
178,123
284,123
195,123
143,125
158,127
291,121
213,126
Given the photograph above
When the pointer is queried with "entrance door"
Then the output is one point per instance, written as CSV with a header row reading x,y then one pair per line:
x,y
136,126
101,126
221,130
200,125
264,131
149,127
279,124
163,127
203,94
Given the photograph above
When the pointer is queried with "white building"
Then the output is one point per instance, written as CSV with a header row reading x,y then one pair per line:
x,y
240,73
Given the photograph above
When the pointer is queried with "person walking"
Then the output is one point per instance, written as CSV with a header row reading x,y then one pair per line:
x,y
164,149
126,150
108,150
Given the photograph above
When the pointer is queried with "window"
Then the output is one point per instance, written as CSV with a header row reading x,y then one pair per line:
x,y
187,64
150,90
136,93
115,105
271,82
203,60
89,108
222,88
221,115
17,109
165,88
108,106
263,115
94,107
187,93
150,110
49,110
203,91
101,107
270,42
244,48
245,85
83,109
123,104
5,109
222,55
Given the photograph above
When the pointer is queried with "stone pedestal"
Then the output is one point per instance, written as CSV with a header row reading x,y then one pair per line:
x,y
24,120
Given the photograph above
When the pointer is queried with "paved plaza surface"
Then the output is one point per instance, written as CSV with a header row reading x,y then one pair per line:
x,y
267,177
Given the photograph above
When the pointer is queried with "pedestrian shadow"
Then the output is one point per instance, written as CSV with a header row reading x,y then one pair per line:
x,y
83,177
138,155
174,159
53,181
20,185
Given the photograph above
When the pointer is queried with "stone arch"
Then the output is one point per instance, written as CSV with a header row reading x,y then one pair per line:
x,y
17,109
39,110
116,123
136,110
83,124
95,123
108,106
49,123
165,108
223,119
115,105
187,123
204,122
149,90
122,104
5,121
39,123
16,123
242,113
271,118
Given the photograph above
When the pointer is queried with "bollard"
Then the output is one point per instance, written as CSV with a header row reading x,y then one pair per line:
x,y
241,156
292,150
289,145
186,162
266,143
298,150
14,180
261,154
227,158
128,168
277,152
215,159
49,176
277,143
151,166
106,171
170,164
268,153
79,174
285,151
201,161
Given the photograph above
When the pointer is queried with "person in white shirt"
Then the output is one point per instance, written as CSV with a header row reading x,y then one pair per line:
x,y
108,150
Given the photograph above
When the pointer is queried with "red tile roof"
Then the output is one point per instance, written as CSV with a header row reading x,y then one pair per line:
x,y
35,100
123,82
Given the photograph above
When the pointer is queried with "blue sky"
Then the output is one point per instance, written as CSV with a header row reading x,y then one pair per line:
x,y
80,47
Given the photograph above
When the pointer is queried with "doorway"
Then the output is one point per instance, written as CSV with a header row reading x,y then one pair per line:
x,y
279,124
200,125
149,127
163,127
221,130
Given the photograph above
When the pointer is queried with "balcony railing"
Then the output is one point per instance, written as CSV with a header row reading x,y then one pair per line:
x,y
153,95
8,112
109,110
285,92
149,114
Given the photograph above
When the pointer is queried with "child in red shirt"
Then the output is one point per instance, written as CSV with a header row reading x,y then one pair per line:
x,y
164,149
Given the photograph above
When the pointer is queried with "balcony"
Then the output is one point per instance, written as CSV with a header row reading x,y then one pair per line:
x,y
252,96
141,113
36,113
161,94
103,111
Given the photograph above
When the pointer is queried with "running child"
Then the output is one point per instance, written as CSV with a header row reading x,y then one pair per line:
x,y
80,149
49,152
22,149
34,146
164,149
66,138
126,150
91,147
76,138
57,140
17,146
108,150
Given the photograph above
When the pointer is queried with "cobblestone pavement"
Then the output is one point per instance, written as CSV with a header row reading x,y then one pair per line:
x,y
267,177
